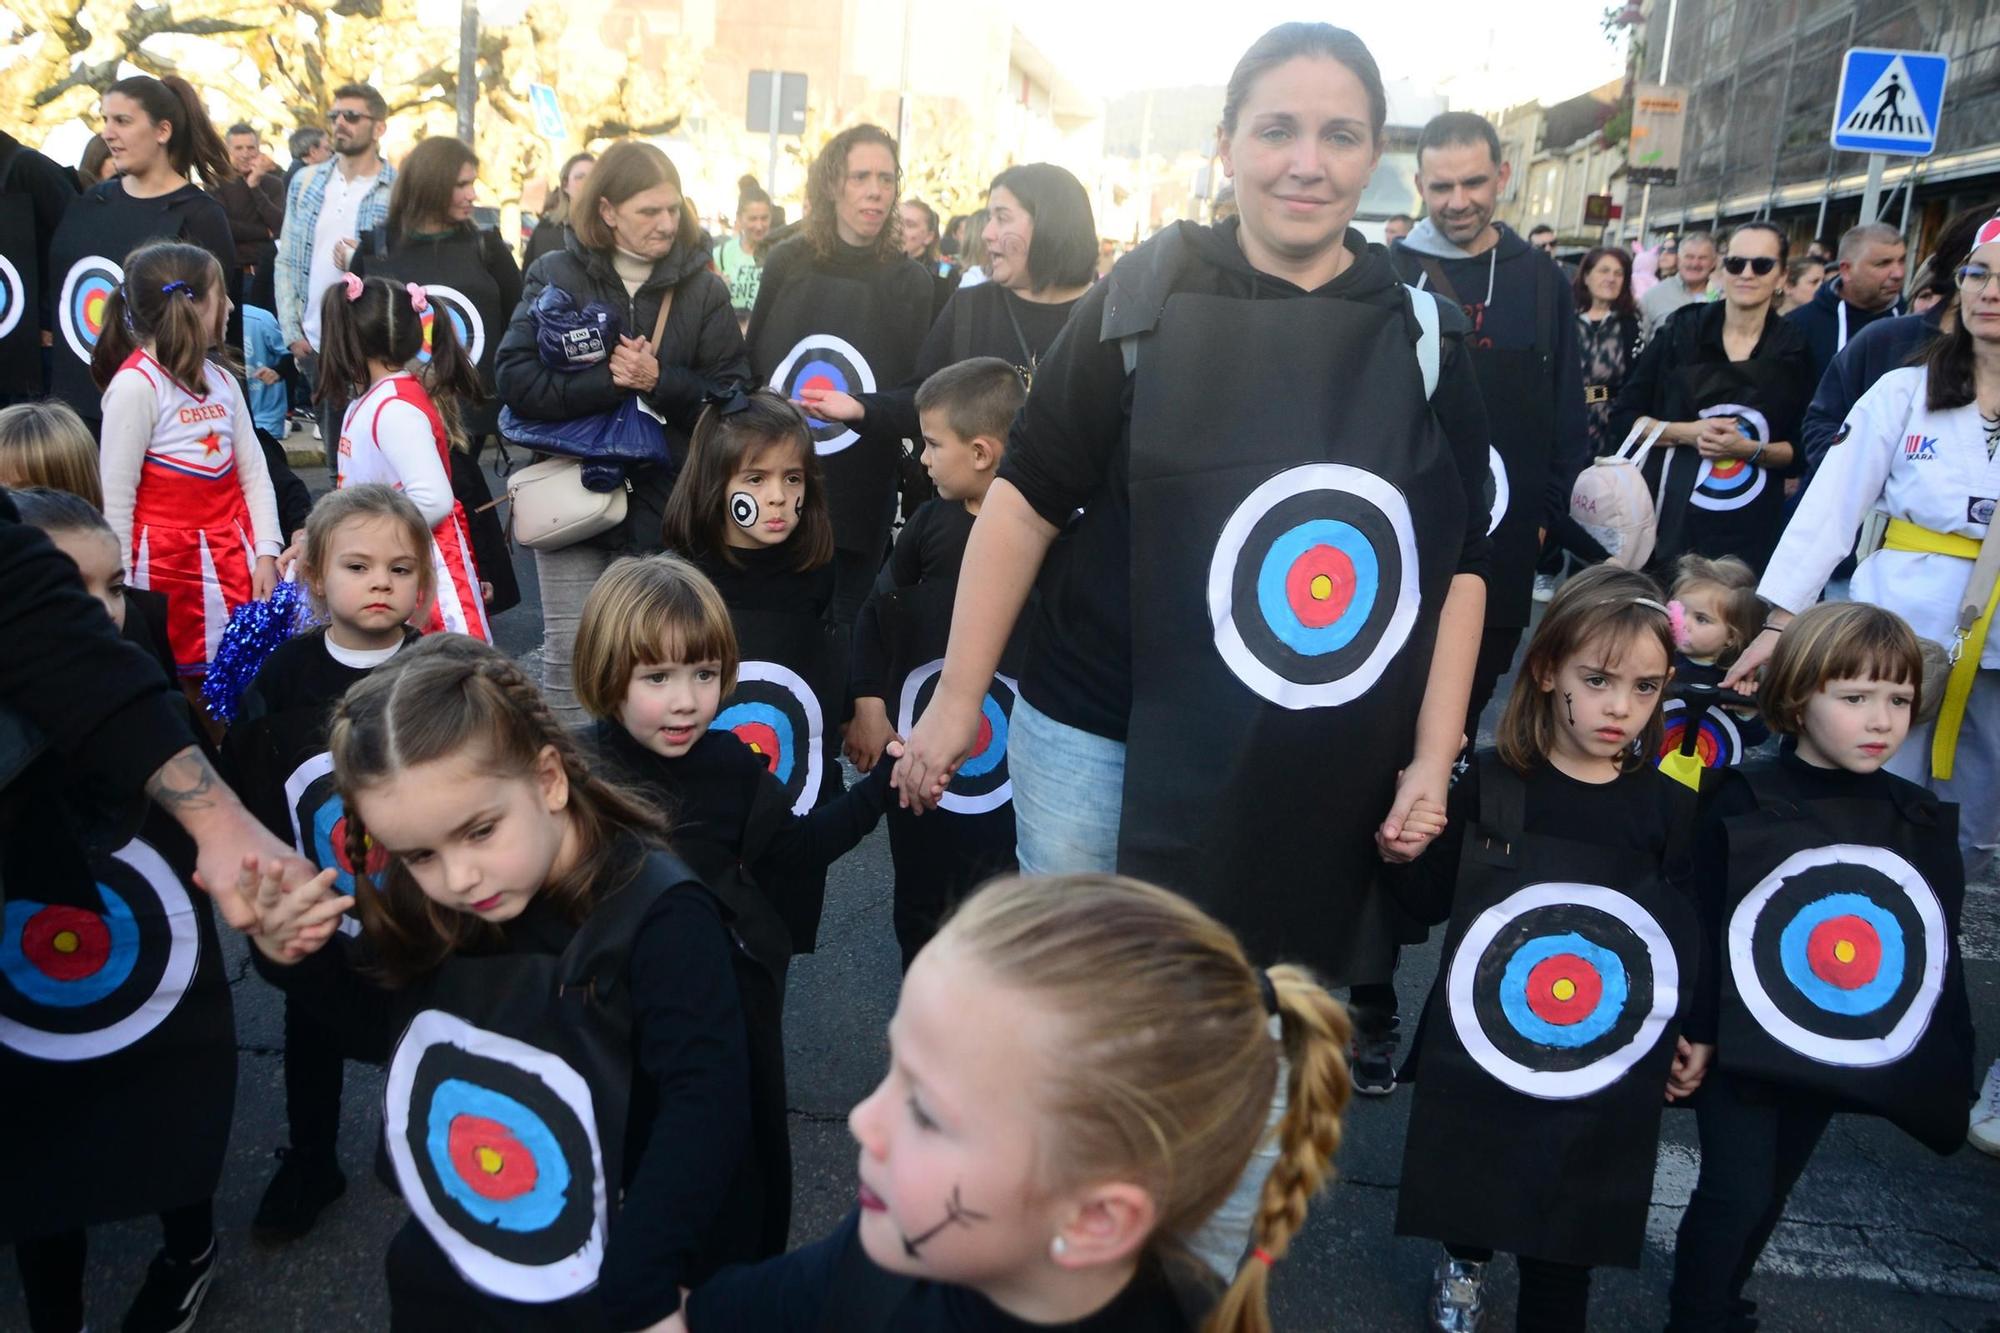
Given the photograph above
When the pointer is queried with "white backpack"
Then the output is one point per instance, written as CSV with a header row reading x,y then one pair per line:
x,y
1612,503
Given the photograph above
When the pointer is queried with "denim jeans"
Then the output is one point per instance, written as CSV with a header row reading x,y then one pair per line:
x,y
1069,786
565,577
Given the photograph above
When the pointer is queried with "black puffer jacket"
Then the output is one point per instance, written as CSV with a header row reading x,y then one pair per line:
x,y
701,353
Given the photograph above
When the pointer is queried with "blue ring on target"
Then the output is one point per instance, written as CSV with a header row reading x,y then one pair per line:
x,y
536,1209
330,813
1276,605
38,986
1611,1003
826,370
737,715
995,753
1866,999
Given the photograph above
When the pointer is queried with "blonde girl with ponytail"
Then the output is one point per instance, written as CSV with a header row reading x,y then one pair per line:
x,y
1080,1068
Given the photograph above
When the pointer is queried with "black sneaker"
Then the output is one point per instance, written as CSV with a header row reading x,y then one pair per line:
x,y
172,1296
294,1199
1371,1062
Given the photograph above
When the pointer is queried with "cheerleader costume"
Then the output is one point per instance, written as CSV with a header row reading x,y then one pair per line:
x,y
187,492
392,435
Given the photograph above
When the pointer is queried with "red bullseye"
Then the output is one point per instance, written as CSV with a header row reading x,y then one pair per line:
x,y
490,1159
1319,586
985,740
378,860
819,384
763,739
1844,951
1726,468
1564,989
66,943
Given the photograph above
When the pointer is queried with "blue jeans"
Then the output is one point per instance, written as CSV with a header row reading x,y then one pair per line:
x,y
1069,787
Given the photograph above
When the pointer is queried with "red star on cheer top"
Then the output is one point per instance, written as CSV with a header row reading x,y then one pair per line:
x,y
211,443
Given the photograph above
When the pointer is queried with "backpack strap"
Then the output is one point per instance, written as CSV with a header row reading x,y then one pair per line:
x,y
862,1297
961,332
1503,812
1433,277
1429,342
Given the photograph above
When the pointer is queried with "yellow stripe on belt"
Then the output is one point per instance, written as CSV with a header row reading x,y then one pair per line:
x,y
1968,643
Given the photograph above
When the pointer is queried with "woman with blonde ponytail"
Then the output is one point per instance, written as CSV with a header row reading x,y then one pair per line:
x,y
1080,1069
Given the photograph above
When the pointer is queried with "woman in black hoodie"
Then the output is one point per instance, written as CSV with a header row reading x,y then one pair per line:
x,y
633,245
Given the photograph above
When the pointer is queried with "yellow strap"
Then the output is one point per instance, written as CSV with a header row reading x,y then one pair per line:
x,y
1903,535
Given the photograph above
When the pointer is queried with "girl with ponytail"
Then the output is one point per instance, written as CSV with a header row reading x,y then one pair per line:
x,y
186,487
399,366
1080,1068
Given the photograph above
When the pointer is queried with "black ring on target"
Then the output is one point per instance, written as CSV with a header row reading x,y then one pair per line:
x,y
465,321
1718,743
13,296
77,984
1839,953
822,361
982,782
776,714
80,309
494,1143
1730,483
743,509
1560,989
1313,586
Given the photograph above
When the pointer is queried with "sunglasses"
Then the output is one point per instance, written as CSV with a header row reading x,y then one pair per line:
x,y
1735,264
347,117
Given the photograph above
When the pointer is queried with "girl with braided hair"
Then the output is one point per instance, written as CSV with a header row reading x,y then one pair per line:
x,y
1080,1069
571,1113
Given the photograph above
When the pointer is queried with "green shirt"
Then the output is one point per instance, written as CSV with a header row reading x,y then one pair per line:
x,y
741,270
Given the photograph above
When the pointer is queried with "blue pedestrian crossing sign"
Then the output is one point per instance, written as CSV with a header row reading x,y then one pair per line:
x,y
548,111
1889,101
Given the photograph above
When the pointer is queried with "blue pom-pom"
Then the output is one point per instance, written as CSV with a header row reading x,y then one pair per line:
x,y
253,633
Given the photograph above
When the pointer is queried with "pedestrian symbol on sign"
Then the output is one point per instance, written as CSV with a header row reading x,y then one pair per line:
x,y
1881,110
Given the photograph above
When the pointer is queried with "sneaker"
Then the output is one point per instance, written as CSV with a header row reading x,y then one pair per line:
x,y
316,435
1372,1062
1985,1132
1458,1298
296,1196
172,1296
1545,587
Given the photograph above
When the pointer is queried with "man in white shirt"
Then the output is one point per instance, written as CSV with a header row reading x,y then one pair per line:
x,y
326,209
1693,283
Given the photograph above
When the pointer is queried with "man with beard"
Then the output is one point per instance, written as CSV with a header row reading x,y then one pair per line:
x,y
1873,261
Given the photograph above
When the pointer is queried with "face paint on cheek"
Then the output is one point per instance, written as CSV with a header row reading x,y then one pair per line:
x,y
1569,705
955,1212
743,509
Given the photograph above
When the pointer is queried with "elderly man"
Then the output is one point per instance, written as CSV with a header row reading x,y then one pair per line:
x,y
1694,282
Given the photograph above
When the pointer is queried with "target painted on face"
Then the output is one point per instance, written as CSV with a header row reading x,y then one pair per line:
x,y
1313,585
319,823
80,309
495,1147
1718,743
1731,483
1839,954
465,321
822,361
13,296
981,783
743,509
776,714
77,984
1559,989
1497,466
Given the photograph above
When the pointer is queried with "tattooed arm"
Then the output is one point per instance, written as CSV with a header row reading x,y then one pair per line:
x,y
227,837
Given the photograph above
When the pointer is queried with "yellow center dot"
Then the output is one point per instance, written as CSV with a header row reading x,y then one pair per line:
x,y
1844,951
756,748
490,1161
65,941
1564,989
1322,587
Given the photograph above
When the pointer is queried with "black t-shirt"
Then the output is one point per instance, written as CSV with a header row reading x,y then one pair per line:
x,y
789,1294
997,323
930,549
1071,447
762,580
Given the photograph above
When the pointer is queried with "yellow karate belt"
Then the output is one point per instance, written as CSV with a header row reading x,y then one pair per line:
x,y
1968,641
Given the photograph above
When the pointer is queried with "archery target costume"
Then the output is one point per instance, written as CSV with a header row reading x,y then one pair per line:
x,y
1549,1031
20,292
197,510
391,435
471,279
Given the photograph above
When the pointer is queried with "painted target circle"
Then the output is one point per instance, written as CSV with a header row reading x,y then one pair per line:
x,y
981,783
776,714
822,361
1559,990
1313,586
80,309
494,1144
1497,467
1718,742
743,509
1731,483
1839,953
319,823
13,296
465,321
77,984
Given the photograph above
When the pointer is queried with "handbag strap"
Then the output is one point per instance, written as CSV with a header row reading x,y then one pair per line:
x,y
660,324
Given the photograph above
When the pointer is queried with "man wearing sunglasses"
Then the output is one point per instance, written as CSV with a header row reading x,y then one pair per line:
x,y
326,209
1873,261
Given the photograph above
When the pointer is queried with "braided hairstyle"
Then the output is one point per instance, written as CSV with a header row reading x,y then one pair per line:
x,y
445,696
1167,1068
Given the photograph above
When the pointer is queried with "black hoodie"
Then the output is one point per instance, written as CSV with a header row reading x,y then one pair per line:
x,y
701,353
1819,320
1071,448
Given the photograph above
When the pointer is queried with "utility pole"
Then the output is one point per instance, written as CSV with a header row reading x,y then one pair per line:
x,y
468,65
